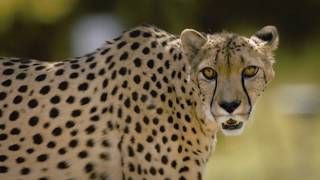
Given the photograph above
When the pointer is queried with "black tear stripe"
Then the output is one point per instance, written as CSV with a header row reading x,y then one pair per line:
x,y
245,91
216,83
214,93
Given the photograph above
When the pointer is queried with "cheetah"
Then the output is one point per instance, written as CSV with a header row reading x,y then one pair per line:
x,y
146,105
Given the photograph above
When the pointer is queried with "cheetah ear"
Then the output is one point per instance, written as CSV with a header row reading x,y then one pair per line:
x,y
268,35
192,41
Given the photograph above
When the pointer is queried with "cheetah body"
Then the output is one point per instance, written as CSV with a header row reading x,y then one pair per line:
x,y
126,111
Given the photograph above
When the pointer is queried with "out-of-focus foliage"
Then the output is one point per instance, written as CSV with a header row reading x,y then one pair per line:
x,y
173,15
39,11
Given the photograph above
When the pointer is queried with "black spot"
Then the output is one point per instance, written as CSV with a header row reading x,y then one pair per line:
x,y
84,100
8,72
33,121
136,79
74,75
41,77
17,99
21,76
15,131
3,137
146,34
57,131
73,143
33,103
150,63
134,33
121,44
160,56
148,157
90,129
3,158
30,150
130,151
138,127
62,151
91,76
21,89
140,147
6,83
70,99
63,85
44,90
88,167
59,72
82,154
127,102
164,159
62,165
20,160
42,157
14,115
25,171
174,137
37,139
51,144
102,53
54,112
70,124
14,147
3,95
137,62
75,66
38,68
76,113
123,71
92,65
83,87
103,97
146,50
55,100
135,46
124,56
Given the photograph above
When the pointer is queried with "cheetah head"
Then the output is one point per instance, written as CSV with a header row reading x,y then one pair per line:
x,y
230,72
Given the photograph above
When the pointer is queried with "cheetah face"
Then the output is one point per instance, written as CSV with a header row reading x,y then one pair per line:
x,y
230,73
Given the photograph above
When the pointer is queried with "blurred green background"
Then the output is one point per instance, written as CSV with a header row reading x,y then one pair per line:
x,y
283,142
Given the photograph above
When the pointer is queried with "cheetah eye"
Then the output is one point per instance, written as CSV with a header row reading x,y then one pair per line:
x,y
209,73
250,71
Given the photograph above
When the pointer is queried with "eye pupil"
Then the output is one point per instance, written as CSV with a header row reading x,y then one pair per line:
x,y
209,73
250,71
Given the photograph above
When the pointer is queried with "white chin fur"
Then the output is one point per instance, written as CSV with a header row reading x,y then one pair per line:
x,y
234,132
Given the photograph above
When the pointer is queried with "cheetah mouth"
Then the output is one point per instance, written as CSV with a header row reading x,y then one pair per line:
x,y
232,124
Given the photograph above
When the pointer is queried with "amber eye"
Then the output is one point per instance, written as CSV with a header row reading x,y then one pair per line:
x,y
209,73
250,71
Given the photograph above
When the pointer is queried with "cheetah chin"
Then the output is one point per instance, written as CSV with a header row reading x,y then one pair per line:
x,y
232,125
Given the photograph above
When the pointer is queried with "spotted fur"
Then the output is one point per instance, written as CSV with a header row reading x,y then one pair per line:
x,y
136,108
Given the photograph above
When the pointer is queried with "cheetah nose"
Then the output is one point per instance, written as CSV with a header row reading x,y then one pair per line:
x,y
230,106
